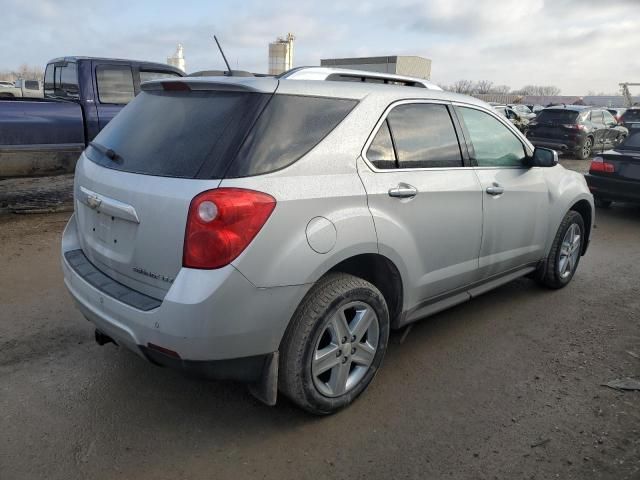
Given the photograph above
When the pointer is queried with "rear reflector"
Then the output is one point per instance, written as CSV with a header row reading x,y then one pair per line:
x,y
165,351
221,224
599,165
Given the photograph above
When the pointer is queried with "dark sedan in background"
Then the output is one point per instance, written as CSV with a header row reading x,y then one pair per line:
x,y
615,175
630,119
576,129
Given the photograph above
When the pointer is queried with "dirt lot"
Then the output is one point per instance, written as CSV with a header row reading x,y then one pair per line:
x,y
507,386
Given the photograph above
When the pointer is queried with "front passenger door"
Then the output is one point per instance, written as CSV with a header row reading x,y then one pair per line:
x,y
515,200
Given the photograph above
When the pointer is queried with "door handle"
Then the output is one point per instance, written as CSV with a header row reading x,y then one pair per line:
x,y
403,190
495,189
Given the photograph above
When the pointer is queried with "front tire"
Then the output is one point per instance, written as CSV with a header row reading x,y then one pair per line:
x,y
334,344
564,257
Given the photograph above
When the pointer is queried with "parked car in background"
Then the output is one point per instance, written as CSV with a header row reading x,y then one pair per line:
x,y
5,83
22,89
575,129
273,230
514,117
535,108
615,174
81,95
616,112
522,110
631,119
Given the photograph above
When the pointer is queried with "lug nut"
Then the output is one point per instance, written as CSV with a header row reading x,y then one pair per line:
x,y
353,338
339,353
353,350
344,359
344,339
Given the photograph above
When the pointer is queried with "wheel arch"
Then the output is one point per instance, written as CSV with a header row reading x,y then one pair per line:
x,y
381,272
583,207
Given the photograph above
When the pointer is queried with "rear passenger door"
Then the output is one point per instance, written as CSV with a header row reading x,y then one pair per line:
x,y
600,132
114,89
515,197
426,203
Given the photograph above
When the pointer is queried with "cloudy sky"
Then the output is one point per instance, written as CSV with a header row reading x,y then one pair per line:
x,y
577,45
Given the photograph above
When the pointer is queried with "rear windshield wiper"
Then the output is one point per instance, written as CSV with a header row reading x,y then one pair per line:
x,y
107,152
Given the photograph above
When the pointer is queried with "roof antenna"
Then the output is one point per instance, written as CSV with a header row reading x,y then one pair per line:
x,y
223,57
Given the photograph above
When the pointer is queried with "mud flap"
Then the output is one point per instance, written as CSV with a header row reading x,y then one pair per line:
x,y
266,389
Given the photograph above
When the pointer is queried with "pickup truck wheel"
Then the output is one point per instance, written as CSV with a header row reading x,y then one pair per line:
x,y
565,253
334,344
584,152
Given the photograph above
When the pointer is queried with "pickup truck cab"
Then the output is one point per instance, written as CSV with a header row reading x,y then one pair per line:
x,y
21,89
81,95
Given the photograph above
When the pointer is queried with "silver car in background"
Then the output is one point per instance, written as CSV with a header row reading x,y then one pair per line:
x,y
274,230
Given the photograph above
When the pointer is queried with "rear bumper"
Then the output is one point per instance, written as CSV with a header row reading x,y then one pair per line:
x,y
613,188
218,323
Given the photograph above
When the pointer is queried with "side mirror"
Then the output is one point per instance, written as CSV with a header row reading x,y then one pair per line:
x,y
544,157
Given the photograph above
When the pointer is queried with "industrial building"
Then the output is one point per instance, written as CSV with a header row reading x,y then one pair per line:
x,y
177,59
281,55
411,66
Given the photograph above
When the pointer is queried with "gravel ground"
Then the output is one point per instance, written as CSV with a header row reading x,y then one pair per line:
x,y
508,386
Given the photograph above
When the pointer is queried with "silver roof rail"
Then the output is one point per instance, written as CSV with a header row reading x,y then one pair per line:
x,y
349,75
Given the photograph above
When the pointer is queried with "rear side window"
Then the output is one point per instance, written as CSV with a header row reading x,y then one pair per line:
x,y
424,136
288,128
381,152
31,85
493,144
178,134
632,142
557,116
596,117
145,76
115,84
61,80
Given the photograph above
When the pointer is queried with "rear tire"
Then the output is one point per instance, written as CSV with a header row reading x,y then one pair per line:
x,y
334,344
564,257
585,150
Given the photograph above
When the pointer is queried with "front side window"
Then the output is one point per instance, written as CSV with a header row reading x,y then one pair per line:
x,y
608,118
115,84
381,152
424,136
492,143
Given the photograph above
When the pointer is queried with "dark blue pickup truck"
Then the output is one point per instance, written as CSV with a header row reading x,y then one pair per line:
x,y
81,94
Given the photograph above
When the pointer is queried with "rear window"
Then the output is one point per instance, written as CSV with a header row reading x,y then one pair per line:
x,y
631,142
631,115
557,116
176,134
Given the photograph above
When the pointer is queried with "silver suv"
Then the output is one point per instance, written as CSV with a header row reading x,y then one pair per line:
x,y
274,230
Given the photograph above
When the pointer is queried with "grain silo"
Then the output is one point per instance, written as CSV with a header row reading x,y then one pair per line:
x,y
281,55
177,60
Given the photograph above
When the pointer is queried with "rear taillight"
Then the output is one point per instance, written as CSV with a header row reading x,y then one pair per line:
x,y
221,224
599,165
574,126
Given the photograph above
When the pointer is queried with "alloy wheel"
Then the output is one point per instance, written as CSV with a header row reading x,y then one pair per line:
x,y
569,250
345,349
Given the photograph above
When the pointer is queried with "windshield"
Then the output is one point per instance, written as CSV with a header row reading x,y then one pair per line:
x,y
557,116
521,108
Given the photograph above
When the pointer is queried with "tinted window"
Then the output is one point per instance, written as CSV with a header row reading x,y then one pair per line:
x,y
115,84
61,80
288,128
557,116
48,79
424,136
31,85
146,76
493,144
178,134
380,151
631,115
596,117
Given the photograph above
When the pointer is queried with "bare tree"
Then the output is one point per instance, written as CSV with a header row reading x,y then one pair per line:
x,y
483,87
501,89
25,71
539,90
462,86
